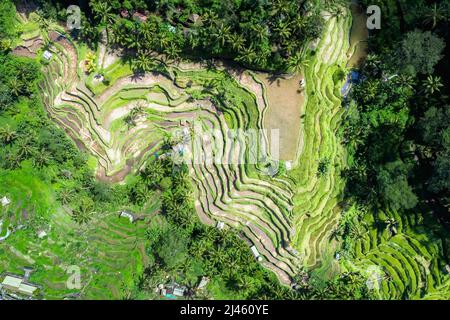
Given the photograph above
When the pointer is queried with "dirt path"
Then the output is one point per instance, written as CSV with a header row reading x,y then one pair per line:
x,y
358,37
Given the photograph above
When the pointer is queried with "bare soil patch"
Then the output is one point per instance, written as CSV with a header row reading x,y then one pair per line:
x,y
358,37
285,109
23,52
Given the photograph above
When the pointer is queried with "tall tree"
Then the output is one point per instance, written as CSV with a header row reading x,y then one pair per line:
x,y
7,134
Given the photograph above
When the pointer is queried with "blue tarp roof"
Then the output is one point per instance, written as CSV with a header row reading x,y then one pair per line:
x,y
345,88
355,76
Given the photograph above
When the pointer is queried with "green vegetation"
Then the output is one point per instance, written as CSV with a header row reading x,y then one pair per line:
x,y
395,132
88,134
259,34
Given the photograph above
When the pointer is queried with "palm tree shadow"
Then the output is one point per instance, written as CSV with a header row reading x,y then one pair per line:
x,y
210,65
379,226
274,77
137,75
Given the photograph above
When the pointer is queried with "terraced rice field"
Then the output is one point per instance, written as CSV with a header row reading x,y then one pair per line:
x,y
316,211
288,217
109,253
226,190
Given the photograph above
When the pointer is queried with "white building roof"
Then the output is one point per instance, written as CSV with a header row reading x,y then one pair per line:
x,y
127,215
5,201
203,282
18,285
27,289
220,225
42,234
288,165
47,55
179,291
12,282
255,251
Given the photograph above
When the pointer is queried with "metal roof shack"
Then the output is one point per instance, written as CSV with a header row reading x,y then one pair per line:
x,y
172,291
353,78
47,55
139,16
135,15
179,291
5,201
195,19
203,283
256,253
128,215
220,225
124,13
16,284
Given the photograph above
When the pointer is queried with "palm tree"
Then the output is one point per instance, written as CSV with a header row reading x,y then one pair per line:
x,y
319,293
261,58
7,134
13,160
103,12
222,34
84,212
140,194
337,12
134,41
332,4
143,62
25,149
42,21
372,62
336,234
173,51
129,121
406,81
218,256
237,41
299,22
260,31
15,86
278,7
283,30
90,62
356,233
153,173
194,40
435,14
131,118
280,293
41,159
66,195
210,17
148,30
432,84
247,55
297,62
162,41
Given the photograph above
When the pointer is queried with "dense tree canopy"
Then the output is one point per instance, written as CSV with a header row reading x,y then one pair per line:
x,y
269,35
398,117
419,52
7,21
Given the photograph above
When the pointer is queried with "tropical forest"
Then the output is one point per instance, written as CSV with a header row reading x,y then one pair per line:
x,y
224,150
